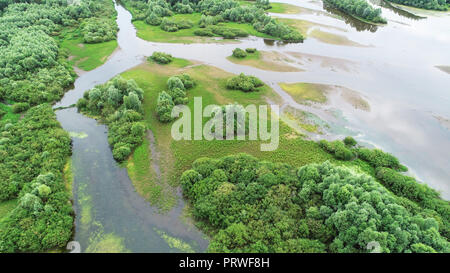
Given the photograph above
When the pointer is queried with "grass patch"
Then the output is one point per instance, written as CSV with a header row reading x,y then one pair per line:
x,y
85,56
156,34
7,115
6,207
68,176
284,8
302,92
271,61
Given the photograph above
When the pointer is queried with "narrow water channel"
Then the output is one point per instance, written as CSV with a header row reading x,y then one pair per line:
x,y
393,67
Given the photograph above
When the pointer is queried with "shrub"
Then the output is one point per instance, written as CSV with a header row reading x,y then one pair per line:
x,y
338,149
239,53
184,24
20,107
169,25
250,50
121,152
244,83
378,158
204,32
164,107
153,19
175,82
160,57
350,141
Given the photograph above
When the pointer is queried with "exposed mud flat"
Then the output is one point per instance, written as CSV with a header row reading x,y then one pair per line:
x,y
334,64
443,68
267,60
445,122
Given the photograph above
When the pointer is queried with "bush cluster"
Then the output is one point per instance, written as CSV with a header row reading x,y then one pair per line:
x,y
97,30
118,103
176,95
244,83
160,57
239,53
338,149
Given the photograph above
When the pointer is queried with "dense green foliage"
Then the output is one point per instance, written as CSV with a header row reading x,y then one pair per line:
x,y
156,12
358,8
33,153
118,103
247,205
244,83
97,30
32,67
177,86
160,57
239,53
387,169
424,4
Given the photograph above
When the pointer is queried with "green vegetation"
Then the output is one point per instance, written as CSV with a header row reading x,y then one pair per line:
x,y
244,83
7,115
424,4
239,53
248,205
387,170
118,103
208,18
359,9
176,95
160,57
6,207
284,8
97,30
302,92
33,65
33,153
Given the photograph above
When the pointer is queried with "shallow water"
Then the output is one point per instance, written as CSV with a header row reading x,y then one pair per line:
x,y
395,71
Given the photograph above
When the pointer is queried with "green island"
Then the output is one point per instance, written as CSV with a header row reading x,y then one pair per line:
x,y
205,21
440,5
359,9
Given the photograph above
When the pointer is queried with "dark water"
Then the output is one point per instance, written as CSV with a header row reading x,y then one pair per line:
x,y
394,70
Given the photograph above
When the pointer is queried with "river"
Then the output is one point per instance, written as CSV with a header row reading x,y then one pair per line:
x,y
392,66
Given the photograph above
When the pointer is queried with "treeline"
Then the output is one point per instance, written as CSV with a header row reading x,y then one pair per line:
x,y
155,12
388,171
32,67
247,205
358,8
33,153
118,103
424,4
